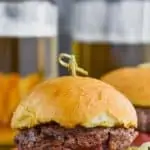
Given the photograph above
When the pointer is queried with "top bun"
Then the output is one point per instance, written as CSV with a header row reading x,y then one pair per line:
x,y
71,101
133,82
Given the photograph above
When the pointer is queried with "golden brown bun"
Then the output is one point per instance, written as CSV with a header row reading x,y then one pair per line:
x,y
72,101
133,82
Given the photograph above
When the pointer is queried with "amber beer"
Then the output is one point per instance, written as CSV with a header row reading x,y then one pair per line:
x,y
93,44
9,55
96,58
100,58
93,54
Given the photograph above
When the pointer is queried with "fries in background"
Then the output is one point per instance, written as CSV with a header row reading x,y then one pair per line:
x,y
14,88
2,97
28,83
11,95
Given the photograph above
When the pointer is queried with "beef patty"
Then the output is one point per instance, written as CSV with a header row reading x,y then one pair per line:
x,y
54,137
143,119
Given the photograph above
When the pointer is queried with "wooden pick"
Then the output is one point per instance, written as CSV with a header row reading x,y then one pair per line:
x,y
71,64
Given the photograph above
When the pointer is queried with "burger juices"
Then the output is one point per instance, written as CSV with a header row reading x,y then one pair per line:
x,y
74,113
134,83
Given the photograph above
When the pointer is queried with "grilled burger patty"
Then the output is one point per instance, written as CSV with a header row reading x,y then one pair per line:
x,y
143,119
54,137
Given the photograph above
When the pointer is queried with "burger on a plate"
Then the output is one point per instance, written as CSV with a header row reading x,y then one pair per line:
x,y
74,113
135,84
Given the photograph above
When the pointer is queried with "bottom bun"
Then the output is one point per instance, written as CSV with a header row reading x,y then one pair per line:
x,y
6,136
142,138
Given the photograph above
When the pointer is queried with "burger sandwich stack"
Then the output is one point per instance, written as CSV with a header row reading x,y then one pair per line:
x,y
135,84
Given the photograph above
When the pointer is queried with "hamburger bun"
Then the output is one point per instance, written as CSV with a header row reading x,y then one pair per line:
x,y
133,82
71,101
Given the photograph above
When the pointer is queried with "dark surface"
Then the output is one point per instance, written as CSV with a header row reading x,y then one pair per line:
x,y
54,137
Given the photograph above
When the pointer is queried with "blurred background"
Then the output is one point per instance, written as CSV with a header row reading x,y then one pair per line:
x,y
28,54
103,35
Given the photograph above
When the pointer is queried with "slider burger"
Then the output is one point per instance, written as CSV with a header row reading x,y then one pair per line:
x,y
135,84
74,113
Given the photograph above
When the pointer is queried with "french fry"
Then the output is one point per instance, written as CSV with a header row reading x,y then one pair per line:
x,y
1,97
14,88
13,96
28,83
